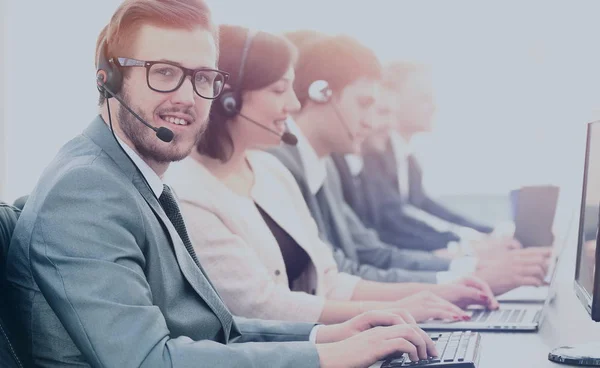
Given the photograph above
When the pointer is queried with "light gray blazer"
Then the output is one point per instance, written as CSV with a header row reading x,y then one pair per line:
x,y
99,277
357,249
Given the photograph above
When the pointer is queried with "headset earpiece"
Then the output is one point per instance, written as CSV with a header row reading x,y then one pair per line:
x,y
230,101
108,73
319,92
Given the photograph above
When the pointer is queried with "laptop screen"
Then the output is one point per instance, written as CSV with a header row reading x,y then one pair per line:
x,y
588,225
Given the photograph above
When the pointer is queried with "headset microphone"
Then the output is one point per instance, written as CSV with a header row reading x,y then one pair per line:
x,y
230,102
286,137
164,134
289,138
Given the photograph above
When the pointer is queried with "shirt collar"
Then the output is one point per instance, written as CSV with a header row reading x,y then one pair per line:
x,y
314,166
355,163
150,175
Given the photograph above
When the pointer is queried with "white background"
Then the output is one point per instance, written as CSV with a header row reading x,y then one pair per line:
x,y
516,81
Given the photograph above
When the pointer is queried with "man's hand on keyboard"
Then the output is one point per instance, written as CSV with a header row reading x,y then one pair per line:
x,y
368,347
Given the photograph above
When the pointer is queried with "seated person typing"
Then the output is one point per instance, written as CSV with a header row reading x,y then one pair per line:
x,y
247,217
101,271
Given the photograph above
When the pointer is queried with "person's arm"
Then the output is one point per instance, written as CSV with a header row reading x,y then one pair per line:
x,y
372,273
419,198
368,290
372,251
404,231
389,220
247,287
86,259
259,330
241,276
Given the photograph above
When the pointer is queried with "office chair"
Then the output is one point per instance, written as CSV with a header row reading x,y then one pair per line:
x,y
9,351
20,202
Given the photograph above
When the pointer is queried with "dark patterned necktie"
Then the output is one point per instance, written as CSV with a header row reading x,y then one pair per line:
x,y
169,204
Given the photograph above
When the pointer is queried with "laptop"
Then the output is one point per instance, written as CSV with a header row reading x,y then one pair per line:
x,y
514,316
566,214
509,317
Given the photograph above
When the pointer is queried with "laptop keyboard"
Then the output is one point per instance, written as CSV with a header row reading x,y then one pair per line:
x,y
499,316
457,350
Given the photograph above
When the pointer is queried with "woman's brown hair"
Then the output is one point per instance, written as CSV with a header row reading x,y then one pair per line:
x,y
269,57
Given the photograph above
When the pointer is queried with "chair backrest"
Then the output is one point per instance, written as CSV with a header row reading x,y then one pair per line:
x,y
20,202
9,356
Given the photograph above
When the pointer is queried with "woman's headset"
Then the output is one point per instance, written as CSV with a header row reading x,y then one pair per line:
x,y
230,101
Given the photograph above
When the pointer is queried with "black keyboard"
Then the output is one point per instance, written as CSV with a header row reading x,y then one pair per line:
x,y
457,350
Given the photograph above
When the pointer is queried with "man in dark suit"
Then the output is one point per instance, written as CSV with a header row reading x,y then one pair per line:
x,y
101,269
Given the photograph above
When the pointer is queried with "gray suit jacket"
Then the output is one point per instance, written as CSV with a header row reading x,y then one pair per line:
x,y
357,249
100,277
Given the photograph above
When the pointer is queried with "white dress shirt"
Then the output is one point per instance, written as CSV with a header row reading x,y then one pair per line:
x,y
355,163
156,184
401,151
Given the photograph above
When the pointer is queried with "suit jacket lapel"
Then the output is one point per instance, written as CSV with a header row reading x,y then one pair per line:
x,y
292,160
99,132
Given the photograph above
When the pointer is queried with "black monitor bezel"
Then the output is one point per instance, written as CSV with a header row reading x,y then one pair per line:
x,y
590,302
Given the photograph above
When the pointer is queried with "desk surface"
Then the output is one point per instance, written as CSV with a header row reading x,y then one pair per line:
x,y
566,323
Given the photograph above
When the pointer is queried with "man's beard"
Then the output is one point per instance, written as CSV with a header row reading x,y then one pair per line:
x,y
144,140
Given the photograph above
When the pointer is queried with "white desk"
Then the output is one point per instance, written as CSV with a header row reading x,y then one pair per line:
x,y
566,323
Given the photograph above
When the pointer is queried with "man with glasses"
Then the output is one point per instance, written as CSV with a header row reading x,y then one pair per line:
x,y
101,270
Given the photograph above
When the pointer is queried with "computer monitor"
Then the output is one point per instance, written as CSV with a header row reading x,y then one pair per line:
x,y
586,280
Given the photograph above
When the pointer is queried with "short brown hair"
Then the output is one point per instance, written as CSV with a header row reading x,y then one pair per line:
x,y
269,57
303,37
397,73
119,34
339,60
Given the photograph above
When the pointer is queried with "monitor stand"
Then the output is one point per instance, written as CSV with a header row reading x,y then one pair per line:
x,y
587,355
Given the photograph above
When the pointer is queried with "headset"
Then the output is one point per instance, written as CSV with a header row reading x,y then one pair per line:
x,y
108,74
109,81
320,93
230,101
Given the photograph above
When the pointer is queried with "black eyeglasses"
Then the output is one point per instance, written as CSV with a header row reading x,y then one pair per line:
x,y
165,77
